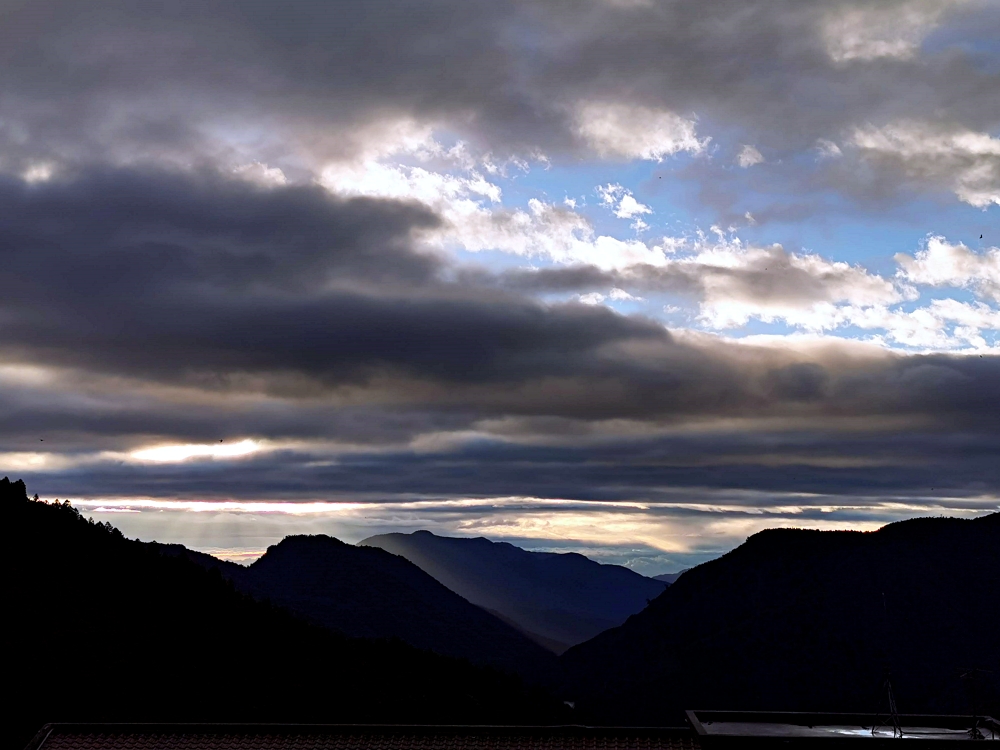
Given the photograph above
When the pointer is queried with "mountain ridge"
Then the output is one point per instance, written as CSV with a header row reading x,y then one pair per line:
x,y
559,598
367,592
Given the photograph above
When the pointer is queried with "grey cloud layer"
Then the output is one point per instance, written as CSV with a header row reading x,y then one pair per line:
x,y
299,82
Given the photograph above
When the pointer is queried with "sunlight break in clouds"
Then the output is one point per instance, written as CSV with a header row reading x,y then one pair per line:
x,y
177,453
650,538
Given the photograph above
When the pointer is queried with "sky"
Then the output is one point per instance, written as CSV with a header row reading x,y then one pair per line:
x,y
634,278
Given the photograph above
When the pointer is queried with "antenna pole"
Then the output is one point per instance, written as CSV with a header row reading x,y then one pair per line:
x,y
886,693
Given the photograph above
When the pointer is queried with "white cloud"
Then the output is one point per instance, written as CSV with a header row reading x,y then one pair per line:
x,y
941,325
261,174
474,220
620,295
828,149
374,177
629,208
739,283
592,298
881,30
749,156
941,263
635,131
966,161
38,172
624,204
549,231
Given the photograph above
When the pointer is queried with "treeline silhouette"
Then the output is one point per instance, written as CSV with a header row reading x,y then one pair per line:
x,y
103,628
800,620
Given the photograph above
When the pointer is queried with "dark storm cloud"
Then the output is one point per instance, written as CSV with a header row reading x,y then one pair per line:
x,y
163,275
289,293
193,307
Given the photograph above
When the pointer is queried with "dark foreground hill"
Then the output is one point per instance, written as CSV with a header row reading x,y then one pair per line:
x,y
804,621
102,628
559,599
370,593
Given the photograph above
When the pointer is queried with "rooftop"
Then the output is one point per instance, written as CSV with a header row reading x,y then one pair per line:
x,y
355,737
709,730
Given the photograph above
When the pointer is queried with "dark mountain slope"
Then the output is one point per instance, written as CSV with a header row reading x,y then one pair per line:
x,y
561,599
669,578
101,628
794,620
368,592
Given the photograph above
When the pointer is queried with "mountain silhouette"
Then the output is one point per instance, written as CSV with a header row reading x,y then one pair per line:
x,y
370,593
558,599
103,628
800,620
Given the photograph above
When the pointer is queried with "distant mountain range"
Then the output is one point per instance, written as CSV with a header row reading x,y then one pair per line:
x,y
669,578
808,620
369,593
102,628
558,599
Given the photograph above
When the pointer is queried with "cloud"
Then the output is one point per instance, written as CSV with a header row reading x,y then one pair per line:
x,y
291,293
963,161
942,264
261,174
620,295
827,149
473,218
741,283
592,298
222,84
865,32
749,156
636,132
624,204
734,282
